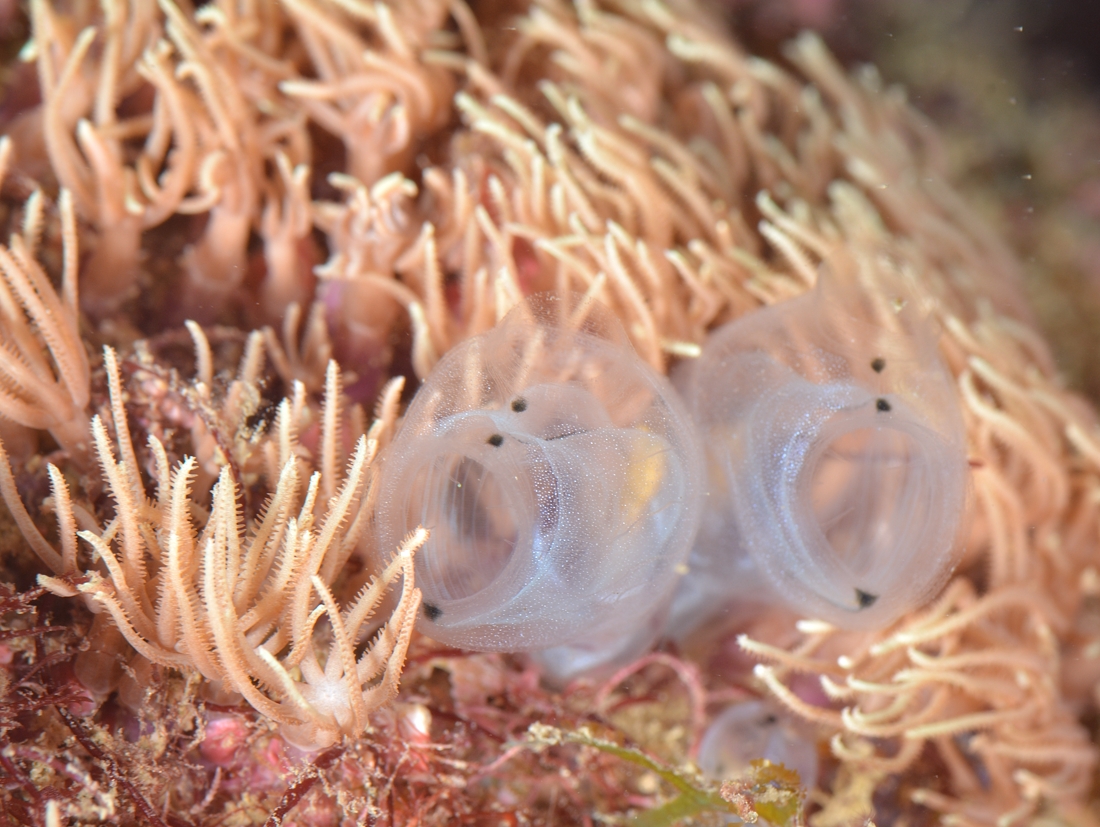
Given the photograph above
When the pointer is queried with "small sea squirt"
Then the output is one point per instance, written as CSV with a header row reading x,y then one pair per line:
x,y
751,731
837,456
558,475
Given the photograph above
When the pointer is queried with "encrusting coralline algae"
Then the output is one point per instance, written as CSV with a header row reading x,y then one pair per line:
x,y
335,194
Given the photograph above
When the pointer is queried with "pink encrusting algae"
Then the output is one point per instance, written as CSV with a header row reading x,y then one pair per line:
x,y
241,233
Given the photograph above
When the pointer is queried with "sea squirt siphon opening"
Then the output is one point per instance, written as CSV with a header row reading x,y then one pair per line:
x,y
473,526
867,488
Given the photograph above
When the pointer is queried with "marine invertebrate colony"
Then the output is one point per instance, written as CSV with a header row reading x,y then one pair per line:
x,y
239,607
401,180
46,379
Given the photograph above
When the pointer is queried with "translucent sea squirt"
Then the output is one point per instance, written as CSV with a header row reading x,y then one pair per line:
x,y
753,730
837,457
558,475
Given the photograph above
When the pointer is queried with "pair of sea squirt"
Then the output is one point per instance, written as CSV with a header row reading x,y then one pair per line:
x,y
814,451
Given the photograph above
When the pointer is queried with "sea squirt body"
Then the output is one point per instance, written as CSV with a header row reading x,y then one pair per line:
x,y
837,458
558,475
752,731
